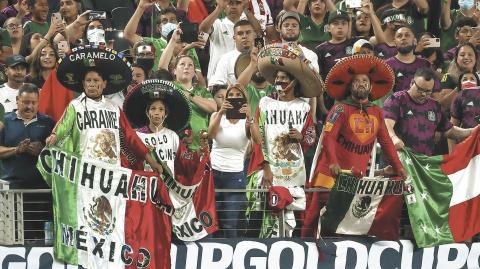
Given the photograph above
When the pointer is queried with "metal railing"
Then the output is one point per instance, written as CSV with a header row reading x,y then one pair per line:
x,y
26,216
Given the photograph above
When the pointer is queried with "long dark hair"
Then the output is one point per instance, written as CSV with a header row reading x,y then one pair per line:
x,y
36,66
25,48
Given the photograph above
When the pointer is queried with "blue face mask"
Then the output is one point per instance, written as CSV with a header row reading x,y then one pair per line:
x,y
466,4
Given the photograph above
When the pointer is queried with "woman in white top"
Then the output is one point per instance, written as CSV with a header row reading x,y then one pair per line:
x,y
229,129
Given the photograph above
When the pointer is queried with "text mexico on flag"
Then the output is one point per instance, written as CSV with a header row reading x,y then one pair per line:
x,y
107,216
363,206
443,194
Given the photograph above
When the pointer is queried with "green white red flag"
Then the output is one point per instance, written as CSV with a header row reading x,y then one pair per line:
x,y
443,194
363,206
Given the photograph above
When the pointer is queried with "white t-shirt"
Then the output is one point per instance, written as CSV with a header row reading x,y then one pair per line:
x,y
229,146
221,42
311,56
116,98
8,97
98,129
166,144
286,159
225,70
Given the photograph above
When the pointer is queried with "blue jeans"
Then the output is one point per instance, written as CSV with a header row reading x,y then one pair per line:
x,y
230,205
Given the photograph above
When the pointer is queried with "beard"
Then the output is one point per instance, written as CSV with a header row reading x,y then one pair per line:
x,y
406,50
290,38
257,78
361,93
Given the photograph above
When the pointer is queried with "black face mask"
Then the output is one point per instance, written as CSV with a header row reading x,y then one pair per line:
x,y
427,52
258,78
146,63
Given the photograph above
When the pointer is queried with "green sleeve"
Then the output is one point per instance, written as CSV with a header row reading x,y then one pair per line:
x,y
194,56
5,37
27,27
341,5
65,125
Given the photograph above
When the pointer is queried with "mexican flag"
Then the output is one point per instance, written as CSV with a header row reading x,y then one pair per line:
x,y
54,98
192,194
443,194
363,206
107,216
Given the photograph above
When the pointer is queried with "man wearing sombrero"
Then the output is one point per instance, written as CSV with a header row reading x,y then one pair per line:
x,y
93,126
352,126
286,128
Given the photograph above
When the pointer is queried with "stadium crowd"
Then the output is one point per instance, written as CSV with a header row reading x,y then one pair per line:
x,y
210,50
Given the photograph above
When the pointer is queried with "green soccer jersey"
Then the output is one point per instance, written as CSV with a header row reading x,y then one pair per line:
x,y
35,27
199,118
312,34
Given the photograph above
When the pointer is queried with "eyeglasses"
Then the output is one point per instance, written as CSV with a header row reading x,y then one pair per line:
x,y
12,26
467,29
422,90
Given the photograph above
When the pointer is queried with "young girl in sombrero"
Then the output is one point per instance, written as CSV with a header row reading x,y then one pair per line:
x,y
159,111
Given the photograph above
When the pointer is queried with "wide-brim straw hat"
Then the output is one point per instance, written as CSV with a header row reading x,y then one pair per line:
x,y
289,57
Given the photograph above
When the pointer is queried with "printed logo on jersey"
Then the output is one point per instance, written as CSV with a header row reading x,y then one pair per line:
x,y
365,128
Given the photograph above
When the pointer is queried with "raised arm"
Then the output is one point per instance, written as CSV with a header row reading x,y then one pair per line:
x,y
367,8
74,30
207,23
167,53
246,75
330,5
130,30
251,18
289,5
422,6
183,5
445,19
55,27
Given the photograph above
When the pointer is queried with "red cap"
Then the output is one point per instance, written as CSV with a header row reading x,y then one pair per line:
x,y
279,197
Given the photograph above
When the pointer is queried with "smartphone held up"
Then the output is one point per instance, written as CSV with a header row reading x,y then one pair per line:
x,y
234,112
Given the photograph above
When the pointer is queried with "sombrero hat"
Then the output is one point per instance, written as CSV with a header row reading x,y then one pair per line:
x,y
136,102
241,63
381,75
72,68
289,57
